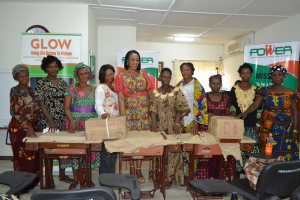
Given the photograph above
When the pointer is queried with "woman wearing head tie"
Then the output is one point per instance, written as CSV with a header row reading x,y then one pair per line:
x,y
218,104
279,116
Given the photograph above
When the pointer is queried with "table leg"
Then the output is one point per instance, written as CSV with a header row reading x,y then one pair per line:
x,y
163,172
120,172
41,168
89,167
46,172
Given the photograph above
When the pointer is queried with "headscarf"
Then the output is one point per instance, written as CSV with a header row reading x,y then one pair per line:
x,y
17,69
278,68
81,65
215,76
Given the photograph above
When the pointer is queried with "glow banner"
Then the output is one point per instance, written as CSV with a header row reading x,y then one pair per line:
x,y
263,56
36,46
149,62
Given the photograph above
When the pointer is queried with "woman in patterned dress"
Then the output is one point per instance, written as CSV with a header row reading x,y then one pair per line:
x,y
49,93
167,108
218,104
279,116
79,106
197,119
242,96
134,91
25,115
106,106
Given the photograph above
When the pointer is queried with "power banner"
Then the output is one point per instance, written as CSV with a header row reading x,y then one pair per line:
x,y
66,47
149,62
263,56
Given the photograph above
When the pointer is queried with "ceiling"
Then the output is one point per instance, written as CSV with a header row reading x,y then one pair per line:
x,y
210,21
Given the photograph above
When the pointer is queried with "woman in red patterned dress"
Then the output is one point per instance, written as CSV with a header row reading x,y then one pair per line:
x,y
218,104
134,91
25,115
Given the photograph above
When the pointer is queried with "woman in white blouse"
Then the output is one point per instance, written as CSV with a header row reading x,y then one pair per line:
x,y
106,106
197,119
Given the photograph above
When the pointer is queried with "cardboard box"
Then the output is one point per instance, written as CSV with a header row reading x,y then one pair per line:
x,y
96,128
226,127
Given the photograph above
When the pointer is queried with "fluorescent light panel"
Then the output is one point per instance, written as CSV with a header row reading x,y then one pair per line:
x,y
183,39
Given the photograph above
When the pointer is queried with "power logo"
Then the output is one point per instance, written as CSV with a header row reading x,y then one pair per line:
x,y
269,51
144,60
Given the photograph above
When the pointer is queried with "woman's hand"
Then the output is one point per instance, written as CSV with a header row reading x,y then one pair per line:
x,y
52,126
294,137
176,129
210,115
73,128
30,132
195,128
242,115
104,116
233,114
153,128
257,129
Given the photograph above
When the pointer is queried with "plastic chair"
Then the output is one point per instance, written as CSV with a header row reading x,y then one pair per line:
x,y
277,179
17,181
296,194
125,181
101,193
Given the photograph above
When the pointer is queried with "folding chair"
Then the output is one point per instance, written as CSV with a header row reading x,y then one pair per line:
x,y
277,179
18,181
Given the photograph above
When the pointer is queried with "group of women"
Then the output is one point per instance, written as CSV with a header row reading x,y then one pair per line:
x,y
185,108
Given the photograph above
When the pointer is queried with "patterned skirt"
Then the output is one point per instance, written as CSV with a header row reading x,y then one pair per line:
x,y
24,161
250,133
280,125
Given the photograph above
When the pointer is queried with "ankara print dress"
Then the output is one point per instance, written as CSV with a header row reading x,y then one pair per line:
x,y
24,112
82,108
53,97
165,107
135,90
277,119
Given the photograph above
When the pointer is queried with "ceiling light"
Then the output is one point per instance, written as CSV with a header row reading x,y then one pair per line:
x,y
184,39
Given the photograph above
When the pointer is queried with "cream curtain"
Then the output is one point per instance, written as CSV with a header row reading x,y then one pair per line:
x,y
203,70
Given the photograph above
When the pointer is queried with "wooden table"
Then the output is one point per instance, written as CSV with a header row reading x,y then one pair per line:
x,y
63,150
246,144
158,153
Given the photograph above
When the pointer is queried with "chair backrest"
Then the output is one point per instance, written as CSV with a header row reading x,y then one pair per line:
x,y
101,193
279,178
16,180
296,194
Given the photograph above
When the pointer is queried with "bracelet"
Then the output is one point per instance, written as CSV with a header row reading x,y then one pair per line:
x,y
257,124
177,124
295,131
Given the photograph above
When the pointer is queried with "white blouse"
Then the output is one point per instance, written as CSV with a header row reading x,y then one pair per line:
x,y
106,101
188,91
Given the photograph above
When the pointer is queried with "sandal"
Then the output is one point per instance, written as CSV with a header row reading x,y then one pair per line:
x,y
65,179
73,185
132,171
51,186
141,179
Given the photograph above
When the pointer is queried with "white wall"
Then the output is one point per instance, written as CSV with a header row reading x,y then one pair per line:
x,y
284,31
93,37
110,40
169,51
58,18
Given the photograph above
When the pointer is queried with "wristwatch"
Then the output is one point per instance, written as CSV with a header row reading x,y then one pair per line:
x,y
295,131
